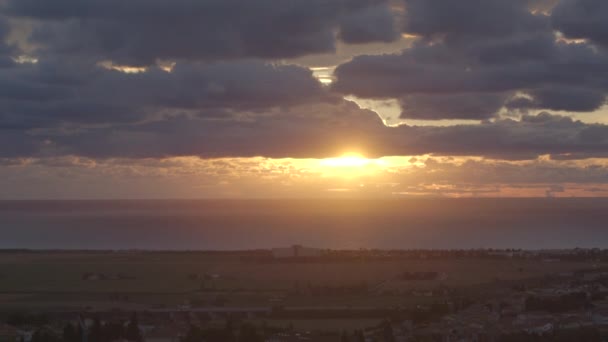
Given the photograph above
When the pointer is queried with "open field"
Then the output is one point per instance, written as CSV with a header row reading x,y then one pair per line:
x,y
142,280
320,325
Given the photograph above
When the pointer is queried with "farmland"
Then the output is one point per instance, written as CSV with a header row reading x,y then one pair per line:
x,y
156,280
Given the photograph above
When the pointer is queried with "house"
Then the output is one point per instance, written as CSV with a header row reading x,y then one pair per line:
x,y
25,335
575,321
540,327
535,323
296,251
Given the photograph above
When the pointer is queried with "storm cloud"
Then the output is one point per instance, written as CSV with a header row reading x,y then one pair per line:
x,y
319,131
140,32
473,53
582,19
215,78
53,92
470,18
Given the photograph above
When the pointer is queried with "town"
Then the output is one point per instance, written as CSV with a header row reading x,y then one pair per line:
x,y
300,293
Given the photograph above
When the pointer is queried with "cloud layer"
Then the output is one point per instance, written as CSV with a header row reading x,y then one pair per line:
x,y
213,78
139,32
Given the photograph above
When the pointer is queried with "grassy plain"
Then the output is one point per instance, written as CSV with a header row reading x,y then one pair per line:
x,y
163,279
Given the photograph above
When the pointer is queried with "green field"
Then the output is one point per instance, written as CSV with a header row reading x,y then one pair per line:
x,y
156,280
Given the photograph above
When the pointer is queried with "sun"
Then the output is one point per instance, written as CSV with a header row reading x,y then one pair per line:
x,y
347,166
350,165
347,160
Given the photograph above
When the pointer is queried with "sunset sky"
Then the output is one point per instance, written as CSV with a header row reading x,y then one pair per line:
x,y
303,98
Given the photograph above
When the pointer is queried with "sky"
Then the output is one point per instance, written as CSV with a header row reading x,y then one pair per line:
x,y
303,98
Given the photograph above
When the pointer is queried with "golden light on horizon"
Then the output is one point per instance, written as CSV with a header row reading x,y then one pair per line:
x,y
164,65
350,165
349,160
323,74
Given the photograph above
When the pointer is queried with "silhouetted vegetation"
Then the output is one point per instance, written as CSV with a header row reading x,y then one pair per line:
x,y
571,301
19,319
582,335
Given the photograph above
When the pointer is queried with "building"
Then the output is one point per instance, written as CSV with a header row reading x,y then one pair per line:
x,y
600,317
296,251
8,333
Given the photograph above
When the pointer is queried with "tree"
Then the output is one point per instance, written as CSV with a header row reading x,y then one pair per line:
x,y
197,334
229,327
96,332
79,333
18,319
194,334
70,334
45,335
248,333
387,332
132,333
359,337
113,331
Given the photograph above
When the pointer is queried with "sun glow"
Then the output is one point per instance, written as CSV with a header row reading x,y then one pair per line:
x,y
350,165
349,160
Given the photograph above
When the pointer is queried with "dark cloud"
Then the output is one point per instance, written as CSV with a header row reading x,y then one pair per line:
x,y
55,92
470,18
582,19
5,49
471,106
505,138
472,56
574,99
15,143
251,108
517,48
556,75
438,68
138,32
312,130
324,130
470,60
369,24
